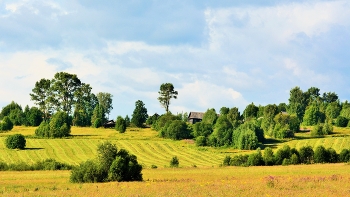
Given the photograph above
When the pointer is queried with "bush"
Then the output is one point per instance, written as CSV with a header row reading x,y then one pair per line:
x,y
294,159
58,127
120,124
125,168
86,172
227,161
268,157
317,131
281,154
239,160
341,121
174,162
333,157
97,123
320,155
16,141
245,139
344,155
255,159
177,130
6,124
111,165
306,154
201,141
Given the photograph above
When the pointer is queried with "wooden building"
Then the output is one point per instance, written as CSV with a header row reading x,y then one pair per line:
x,y
194,117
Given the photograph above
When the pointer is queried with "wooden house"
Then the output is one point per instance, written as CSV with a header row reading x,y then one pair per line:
x,y
194,117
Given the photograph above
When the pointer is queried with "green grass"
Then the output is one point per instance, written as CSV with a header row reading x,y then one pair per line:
x,y
144,143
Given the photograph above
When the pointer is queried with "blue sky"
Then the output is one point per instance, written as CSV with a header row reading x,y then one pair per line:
x,y
222,53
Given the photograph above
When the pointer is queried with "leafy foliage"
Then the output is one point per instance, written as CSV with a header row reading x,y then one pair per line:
x,y
111,165
58,127
139,116
120,124
174,162
166,93
16,141
6,124
176,130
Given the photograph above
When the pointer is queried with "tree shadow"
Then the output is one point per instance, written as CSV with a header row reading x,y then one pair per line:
x,y
271,143
33,148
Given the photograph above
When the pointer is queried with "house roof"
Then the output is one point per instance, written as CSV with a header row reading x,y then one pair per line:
x,y
196,115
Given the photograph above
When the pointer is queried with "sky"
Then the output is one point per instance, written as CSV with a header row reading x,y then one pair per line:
x,y
215,53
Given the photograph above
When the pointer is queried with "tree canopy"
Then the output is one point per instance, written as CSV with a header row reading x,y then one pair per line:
x,y
166,93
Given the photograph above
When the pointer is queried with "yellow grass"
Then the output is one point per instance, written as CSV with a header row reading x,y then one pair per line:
x,y
300,180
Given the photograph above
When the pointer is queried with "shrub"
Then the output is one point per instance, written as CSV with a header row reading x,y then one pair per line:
x,y
245,139
294,159
120,124
111,165
97,123
6,124
125,168
174,162
281,154
86,172
344,155
16,141
177,130
341,121
201,141
58,127
320,155
268,157
333,157
227,161
239,160
306,154
154,166
317,131
51,164
255,159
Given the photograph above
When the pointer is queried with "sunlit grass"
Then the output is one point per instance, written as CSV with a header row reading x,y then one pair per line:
x,y
300,180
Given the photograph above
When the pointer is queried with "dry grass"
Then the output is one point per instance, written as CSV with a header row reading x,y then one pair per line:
x,y
301,180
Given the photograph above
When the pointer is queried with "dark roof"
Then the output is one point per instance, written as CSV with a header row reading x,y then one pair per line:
x,y
196,115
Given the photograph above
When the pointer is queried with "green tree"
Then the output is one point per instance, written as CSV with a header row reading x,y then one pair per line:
x,y
210,117
166,93
139,116
298,100
6,124
282,153
16,141
33,116
234,117
306,154
333,110
64,86
84,106
321,155
105,102
60,125
224,110
42,95
250,111
17,116
329,97
268,122
341,121
97,117
177,130
312,115
120,124
268,157
202,129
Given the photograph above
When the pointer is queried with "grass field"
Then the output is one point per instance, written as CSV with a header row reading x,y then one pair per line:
x,y
199,173
300,180
144,143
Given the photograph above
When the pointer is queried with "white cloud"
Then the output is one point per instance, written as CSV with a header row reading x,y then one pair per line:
x,y
201,95
121,48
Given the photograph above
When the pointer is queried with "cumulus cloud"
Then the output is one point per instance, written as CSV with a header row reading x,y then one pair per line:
x,y
214,55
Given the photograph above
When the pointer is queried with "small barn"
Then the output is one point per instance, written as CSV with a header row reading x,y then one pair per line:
x,y
109,124
194,117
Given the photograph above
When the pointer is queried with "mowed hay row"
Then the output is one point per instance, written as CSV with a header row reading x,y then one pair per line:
x,y
74,151
337,143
